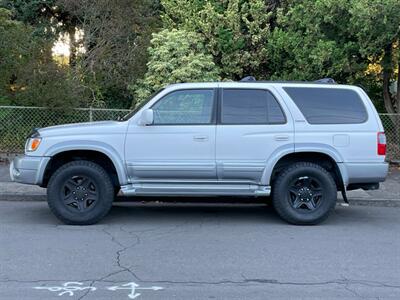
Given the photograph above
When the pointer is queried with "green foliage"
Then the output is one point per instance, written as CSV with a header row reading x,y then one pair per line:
x,y
339,39
115,40
200,40
234,32
377,27
50,85
310,42
175,56
28,76
376,24
14,37
42,15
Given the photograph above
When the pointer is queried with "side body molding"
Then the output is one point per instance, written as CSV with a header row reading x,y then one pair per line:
x,y
104,148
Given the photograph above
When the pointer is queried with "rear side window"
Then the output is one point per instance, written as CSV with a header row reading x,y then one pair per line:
x,y
247,106
329,106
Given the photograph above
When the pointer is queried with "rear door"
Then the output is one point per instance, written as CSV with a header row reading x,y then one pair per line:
x,y
253,124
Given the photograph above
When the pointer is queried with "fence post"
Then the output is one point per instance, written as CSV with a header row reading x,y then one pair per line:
x,y
90,114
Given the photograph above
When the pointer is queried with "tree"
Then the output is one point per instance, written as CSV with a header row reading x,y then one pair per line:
x,y
339,39
175,56
48,18
115,38
14,37
377,27
309,42
234,31
28,76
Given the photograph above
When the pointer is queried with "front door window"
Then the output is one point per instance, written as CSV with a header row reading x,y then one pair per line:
x,y
185,107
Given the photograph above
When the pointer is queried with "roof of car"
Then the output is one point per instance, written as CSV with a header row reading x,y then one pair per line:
x,y
247,84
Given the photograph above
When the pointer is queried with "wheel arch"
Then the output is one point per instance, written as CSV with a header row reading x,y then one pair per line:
x,y
104,155
332,163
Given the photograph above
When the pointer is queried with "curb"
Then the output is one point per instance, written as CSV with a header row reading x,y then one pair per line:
x,y
375,203
23,198
353,202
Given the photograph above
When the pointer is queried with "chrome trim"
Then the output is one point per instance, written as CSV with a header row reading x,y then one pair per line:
x,y
184,189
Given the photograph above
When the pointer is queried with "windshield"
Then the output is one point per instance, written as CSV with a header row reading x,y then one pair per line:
x,y
139,106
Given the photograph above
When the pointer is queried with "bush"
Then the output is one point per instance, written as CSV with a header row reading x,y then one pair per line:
x,y
175,56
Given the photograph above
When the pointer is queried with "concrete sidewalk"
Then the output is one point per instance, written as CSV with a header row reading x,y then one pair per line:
x,y
387,196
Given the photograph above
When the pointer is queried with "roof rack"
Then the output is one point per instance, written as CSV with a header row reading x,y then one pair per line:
x,y
319,81
326,80
248,78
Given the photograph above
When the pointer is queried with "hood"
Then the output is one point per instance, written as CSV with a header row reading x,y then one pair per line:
x,y
83,128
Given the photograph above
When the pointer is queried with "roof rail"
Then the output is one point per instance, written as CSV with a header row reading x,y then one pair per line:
x,y
319,81
248,78
326,80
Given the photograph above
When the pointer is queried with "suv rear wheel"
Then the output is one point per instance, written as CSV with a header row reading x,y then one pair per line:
x,y
80,193
304,194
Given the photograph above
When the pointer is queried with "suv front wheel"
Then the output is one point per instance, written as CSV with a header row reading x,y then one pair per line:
x,y
304,194
80,193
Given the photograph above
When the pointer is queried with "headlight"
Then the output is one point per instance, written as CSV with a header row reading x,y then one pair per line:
x,y
33,143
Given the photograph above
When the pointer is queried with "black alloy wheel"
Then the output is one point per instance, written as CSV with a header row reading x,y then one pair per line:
x,y
305,193
80,193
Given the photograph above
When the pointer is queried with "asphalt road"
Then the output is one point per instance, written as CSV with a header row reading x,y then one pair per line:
x,y
199,251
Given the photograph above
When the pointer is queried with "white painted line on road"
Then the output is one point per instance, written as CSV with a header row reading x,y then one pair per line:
x,y
133,287
69,288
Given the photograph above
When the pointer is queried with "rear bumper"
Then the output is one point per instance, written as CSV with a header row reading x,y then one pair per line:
x,y
28,169
355,173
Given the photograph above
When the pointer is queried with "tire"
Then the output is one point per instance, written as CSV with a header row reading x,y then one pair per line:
x,y
304,194
80,193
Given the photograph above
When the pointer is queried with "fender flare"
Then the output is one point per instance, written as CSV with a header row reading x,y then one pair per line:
x,y
285,150
109,151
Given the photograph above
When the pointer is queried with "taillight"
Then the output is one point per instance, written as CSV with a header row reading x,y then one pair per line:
x,y
381,143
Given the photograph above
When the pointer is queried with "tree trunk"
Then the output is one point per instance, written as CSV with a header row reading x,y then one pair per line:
x,y
72,46
387,75
398,87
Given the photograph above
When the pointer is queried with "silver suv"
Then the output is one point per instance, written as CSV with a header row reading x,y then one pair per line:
x,y
299,143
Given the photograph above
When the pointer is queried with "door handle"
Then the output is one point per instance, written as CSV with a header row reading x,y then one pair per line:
x,y
200,138
281,138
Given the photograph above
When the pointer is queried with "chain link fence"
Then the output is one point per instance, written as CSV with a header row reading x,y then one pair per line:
x,y
17,122
391,123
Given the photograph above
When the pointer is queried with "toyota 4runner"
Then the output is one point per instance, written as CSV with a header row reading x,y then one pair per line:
x,y
299,143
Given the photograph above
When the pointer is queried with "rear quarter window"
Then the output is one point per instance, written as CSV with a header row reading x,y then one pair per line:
x,y
328,105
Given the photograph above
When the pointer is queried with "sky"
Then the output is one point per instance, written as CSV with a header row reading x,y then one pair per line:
x,y
61,47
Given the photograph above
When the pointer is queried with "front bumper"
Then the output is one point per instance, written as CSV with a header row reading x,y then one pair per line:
x,y
28,169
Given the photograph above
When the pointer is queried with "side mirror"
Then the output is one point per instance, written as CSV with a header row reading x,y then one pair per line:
x,y
147,117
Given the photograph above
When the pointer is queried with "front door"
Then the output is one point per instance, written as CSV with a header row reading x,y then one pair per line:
x,y
180,144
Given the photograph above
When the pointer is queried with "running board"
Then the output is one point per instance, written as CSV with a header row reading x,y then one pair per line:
x,y
194,189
